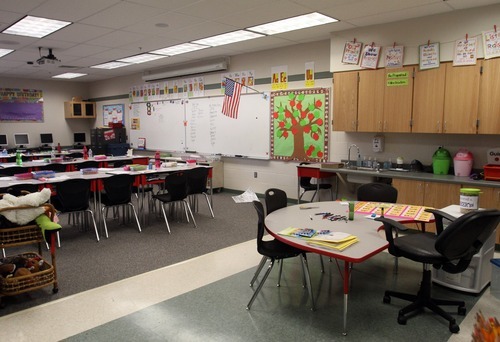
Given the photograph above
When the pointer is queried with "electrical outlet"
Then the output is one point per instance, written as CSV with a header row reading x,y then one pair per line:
x,y
255,175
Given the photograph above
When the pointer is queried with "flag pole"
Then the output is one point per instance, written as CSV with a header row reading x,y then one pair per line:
x,y
258,92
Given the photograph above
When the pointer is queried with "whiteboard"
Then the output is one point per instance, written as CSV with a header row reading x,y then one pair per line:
x,y
199,125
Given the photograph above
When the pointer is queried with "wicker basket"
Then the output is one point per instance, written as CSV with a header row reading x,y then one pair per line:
x,y
10,237
16,285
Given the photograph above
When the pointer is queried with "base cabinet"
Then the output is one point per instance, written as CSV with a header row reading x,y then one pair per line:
x,y
431,194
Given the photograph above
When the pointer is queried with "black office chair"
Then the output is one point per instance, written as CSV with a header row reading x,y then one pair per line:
x,y
117,192
197,185
72,196
306,185
274,250
175,191
451,249
377,192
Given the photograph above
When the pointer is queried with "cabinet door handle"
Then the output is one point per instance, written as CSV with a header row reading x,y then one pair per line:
x,y
437,126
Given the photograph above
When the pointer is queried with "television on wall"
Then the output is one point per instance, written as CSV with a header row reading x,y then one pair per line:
x,y
79,138
21,140
46,139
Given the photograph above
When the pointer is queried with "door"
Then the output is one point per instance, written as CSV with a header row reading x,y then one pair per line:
x,y
398,99
428,100
345,101
489,101
461,99
371,100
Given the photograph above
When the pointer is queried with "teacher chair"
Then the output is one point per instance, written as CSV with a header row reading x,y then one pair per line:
x,y
451,249
274,250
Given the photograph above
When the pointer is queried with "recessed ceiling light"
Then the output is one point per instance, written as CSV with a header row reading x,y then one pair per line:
x,y
4,52
228,38
178,49
69,75
295,23
35,27
142,58
110,65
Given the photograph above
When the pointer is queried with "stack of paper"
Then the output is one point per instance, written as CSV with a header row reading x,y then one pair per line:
x,y
325,238
332,239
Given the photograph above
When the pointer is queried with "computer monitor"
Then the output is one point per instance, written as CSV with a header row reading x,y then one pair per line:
x,y
3,141
79,138
21,140
46,139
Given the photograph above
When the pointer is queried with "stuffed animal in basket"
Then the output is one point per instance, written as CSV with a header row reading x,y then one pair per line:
x,y
19,265
24,216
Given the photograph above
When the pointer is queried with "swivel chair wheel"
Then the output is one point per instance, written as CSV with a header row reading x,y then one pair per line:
x,y
454,328
56,290
387,300
462,310
402,319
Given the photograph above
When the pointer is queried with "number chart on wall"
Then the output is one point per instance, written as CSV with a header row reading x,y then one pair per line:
x,y
199,125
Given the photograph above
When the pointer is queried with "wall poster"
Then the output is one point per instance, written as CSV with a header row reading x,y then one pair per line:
x,y
298,130
21,105
113,114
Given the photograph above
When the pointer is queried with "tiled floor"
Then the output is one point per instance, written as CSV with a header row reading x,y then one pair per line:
x,y
91,310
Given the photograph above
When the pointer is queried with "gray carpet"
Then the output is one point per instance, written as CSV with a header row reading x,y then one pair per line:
x,y
216,312
83,263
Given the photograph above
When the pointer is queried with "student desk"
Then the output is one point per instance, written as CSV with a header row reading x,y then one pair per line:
x,y
370,241
313,171
70,164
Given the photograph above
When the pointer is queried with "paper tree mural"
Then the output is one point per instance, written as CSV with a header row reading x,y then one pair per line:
x,y
298,130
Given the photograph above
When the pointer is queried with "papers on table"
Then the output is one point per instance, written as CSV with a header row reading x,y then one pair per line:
x,y
324,238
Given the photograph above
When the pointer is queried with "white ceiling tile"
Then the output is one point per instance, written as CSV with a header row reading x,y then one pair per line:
x,y
121,15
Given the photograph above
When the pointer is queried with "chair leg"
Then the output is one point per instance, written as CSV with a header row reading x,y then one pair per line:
x,y
261,284
307,275
187,208
136,218
322,264
95,225
280,273
104,213
165,216
257,271
209,205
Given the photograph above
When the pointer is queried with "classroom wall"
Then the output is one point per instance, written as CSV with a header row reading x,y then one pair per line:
x,y
446,28
54,95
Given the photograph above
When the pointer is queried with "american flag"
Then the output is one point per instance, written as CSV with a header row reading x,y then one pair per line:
x,y
231,99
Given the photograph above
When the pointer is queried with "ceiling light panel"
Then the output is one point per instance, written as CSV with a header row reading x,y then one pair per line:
x,y
228,38
295,23
35,27
69,75
179,49
142,58
110,65
4,52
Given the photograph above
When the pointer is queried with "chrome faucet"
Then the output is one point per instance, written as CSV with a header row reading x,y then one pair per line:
x,y
348,164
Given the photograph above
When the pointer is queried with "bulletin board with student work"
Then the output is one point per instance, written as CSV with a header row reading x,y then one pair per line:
x,y
197,124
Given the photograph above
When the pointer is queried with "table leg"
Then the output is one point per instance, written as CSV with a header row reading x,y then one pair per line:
x,y
346,294
298,190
